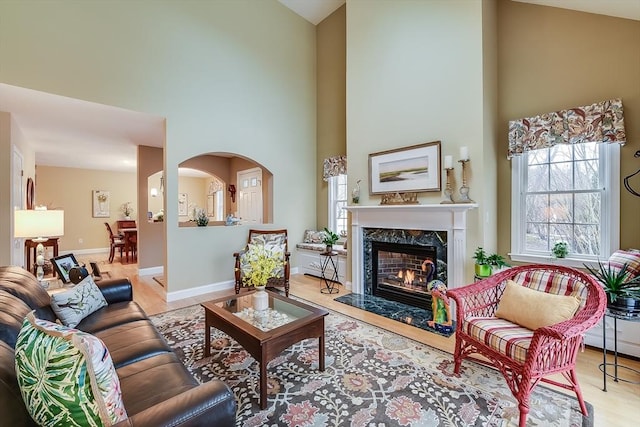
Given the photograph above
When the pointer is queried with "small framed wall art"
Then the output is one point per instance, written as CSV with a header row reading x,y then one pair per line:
x,y
411,169
101,204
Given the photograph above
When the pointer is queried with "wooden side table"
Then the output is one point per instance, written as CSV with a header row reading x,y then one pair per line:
x,y
30,244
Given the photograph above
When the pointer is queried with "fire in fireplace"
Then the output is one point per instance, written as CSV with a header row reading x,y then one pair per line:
x,y
402,272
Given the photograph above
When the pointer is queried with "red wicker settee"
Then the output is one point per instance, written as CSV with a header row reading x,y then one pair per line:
x,y
525,356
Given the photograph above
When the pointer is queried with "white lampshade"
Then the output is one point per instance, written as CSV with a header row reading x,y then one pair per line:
x,y
38,223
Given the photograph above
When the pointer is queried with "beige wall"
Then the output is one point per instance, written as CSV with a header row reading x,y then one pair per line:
x,y
552,59
416,73
70,189
11,137
228,76
331,133
151,235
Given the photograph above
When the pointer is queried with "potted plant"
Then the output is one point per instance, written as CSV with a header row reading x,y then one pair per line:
x,y
497,262
482,268
330,239
127,210
622,289
560,249
201,218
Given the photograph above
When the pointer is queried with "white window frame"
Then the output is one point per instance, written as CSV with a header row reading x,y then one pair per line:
x,y
333,183
609,168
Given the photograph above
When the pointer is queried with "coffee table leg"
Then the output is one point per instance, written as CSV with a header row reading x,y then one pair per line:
x,y
263,385
207,335
321,352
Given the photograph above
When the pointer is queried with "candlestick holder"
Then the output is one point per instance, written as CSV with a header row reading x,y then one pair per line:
x,y
464,190
448,192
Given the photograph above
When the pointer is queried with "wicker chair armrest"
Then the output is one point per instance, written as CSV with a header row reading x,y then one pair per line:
x,y
480,298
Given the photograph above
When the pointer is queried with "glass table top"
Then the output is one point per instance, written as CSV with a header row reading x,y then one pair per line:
x,y
280,311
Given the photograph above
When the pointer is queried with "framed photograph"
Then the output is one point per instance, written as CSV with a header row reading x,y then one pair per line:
x,y
63,264
101,204
411,169
183,203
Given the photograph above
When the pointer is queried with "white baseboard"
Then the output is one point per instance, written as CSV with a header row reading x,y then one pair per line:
x,y
86,251
151,271
200,290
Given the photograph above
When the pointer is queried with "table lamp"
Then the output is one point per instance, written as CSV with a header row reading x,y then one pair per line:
x,y
38,225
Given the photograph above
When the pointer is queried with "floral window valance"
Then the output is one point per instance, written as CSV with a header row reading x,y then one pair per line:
x,y
334,166
600,122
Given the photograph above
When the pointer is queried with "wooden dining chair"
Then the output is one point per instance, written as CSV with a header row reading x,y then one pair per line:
x,y
115,241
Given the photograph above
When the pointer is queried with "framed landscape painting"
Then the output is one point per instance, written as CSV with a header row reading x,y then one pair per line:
x,y
411,169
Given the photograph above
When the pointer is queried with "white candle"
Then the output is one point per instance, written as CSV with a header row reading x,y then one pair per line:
x,y
448,162
464,153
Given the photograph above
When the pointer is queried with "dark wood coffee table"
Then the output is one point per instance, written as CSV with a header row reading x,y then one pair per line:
x,y
268,333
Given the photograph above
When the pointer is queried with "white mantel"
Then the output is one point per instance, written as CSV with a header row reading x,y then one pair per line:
x,y
451,218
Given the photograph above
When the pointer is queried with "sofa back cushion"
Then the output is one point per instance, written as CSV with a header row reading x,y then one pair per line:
x,y
12,313
24,285
12,408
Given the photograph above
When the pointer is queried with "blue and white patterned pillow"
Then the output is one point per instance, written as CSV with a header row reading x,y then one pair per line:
x,y
78,302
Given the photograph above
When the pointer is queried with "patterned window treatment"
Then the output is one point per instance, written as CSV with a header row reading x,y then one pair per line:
x,y
334,166
599,122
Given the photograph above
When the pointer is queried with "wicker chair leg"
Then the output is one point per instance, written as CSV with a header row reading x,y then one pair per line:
x,y
457,356
576,388
524,412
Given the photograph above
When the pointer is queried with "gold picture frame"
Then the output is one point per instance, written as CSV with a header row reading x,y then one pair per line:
x,y
412,169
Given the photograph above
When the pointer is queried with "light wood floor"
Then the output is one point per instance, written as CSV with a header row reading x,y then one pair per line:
x,y
619,406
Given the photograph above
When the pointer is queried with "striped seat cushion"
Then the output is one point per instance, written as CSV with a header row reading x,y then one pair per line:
x,y
508,339
632,258
553,283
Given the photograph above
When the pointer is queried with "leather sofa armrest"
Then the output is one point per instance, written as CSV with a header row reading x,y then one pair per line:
x,y
209,404
116,290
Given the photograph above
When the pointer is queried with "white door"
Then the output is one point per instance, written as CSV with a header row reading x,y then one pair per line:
x,y
17,195
250,196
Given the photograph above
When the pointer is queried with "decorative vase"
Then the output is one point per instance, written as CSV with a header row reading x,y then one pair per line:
x,y
127,217
329,248
260,299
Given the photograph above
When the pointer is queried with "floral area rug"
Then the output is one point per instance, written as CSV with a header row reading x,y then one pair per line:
x,y
372,378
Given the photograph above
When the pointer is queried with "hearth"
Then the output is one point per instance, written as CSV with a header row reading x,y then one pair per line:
x,y
401,272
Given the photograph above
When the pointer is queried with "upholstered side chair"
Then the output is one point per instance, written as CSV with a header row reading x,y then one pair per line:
x,y
516,320
275,241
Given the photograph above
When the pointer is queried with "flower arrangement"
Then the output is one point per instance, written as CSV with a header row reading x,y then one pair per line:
x,y
126,208
102,197
261,265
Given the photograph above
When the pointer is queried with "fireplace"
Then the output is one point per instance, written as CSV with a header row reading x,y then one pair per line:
x,y
402,224
401,272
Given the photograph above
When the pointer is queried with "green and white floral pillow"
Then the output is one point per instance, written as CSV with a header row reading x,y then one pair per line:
x,y
78,302
66,376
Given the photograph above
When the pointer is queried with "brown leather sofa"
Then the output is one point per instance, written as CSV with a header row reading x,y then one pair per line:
x,y
157,390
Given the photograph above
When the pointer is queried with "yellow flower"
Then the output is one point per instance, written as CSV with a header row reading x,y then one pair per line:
x,y
261,265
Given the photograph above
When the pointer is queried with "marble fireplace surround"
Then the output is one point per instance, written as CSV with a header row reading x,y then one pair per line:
x,y
451,218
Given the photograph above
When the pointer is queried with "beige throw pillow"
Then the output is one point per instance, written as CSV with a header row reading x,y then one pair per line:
x,y
534,309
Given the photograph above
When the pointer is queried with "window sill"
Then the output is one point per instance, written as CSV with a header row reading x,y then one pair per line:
x,y
565,262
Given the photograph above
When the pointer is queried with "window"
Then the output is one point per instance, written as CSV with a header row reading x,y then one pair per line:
x,y
337,201
569,192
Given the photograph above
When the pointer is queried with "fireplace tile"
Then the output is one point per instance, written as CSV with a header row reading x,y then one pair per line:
x,y
400,312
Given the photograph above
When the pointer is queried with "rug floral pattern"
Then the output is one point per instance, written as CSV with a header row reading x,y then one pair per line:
x,y
372,378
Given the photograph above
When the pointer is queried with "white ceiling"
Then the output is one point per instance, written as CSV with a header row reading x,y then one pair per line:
x,y
68,132
313,11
